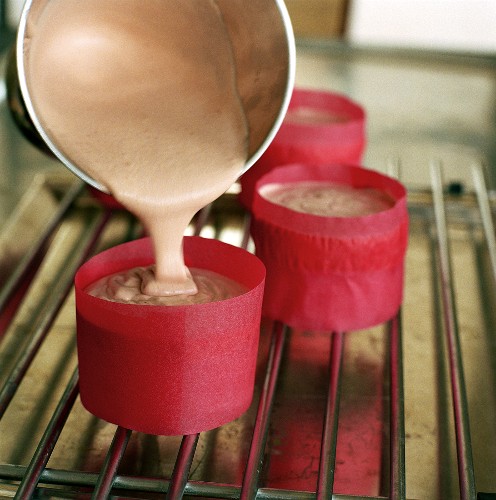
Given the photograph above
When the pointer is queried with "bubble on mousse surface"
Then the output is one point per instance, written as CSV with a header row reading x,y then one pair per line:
x,y
327,199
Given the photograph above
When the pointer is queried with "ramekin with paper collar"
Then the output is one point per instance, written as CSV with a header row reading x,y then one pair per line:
x,y
320,127
169,370
332,272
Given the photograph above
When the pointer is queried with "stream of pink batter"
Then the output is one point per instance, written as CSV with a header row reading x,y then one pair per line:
x,y
142,97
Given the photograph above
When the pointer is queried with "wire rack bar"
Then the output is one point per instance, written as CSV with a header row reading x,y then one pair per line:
x,y
47,316
327,464
184,460
255,458
202,219
466,475
113,459
79,479
485,210
246,231
21,271
49,440
397,474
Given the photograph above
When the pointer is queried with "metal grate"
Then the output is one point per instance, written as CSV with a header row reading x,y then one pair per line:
x,y
248,463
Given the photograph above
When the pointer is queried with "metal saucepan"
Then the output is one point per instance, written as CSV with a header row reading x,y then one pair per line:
x,y
260,31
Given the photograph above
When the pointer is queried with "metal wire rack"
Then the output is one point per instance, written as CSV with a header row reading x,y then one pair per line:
x,y
256,450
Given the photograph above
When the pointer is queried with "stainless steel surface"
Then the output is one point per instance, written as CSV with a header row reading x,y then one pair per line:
x,y
460,404
377,413
263,48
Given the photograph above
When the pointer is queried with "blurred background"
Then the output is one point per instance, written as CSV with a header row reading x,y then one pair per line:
x,y
443,24
454,25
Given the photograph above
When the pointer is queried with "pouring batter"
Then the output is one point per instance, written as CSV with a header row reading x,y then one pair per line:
x,y
142,96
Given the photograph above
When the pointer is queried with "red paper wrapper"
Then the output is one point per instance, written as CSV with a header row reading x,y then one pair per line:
x,y
331,273
105,199
341,141
169,370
